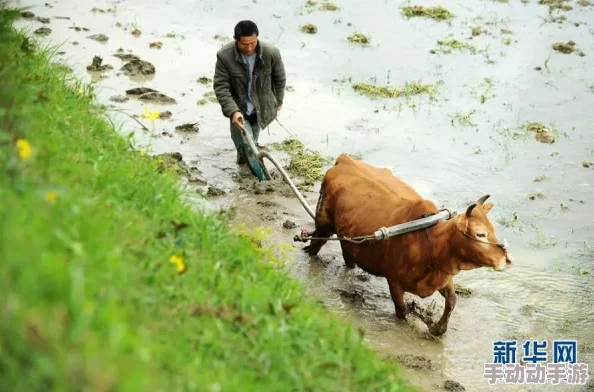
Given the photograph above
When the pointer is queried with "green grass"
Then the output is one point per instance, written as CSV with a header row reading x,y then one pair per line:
x,y
90,299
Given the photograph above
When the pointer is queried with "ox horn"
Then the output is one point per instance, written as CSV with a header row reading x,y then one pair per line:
x,y
469,209
482,199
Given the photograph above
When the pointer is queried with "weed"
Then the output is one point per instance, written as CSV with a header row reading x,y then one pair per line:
x,y
463,119
408,90
485,90
541,133
208,97
562,5
311,5
438,13
309,28
359,39
449,45
541,240
303,164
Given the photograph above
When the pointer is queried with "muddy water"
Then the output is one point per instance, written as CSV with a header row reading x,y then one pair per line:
x,y
543,192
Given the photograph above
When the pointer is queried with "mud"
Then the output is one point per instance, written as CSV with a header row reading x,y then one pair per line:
x,y
43,31
397,115
119,99
174,161
78,28
189,127
138,67
140,91
27,15
215,192
166,115
99,37
98,66
157,98
126,56
453,386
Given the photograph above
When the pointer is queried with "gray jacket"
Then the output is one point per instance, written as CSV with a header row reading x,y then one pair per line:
x,y
268,82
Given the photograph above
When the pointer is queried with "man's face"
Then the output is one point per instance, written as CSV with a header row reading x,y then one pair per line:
x,y
247,45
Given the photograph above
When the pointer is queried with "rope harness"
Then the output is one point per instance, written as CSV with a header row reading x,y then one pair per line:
x,y
382,233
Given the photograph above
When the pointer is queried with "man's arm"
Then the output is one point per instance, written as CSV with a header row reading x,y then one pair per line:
x,y
279,78
222,89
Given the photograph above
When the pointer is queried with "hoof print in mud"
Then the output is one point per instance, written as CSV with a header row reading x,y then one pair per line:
x,y
417,362
354,297
188,128
138,67
97,65
215,192
453,386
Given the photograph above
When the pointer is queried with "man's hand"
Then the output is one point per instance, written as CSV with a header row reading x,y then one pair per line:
x,y
237,120
279,108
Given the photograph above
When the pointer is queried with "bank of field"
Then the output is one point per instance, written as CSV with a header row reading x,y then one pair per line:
x,y
110,282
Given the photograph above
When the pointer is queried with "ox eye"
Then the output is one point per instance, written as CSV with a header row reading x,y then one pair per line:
x,y
481,235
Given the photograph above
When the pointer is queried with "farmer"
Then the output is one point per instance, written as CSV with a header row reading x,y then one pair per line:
x,y
249,83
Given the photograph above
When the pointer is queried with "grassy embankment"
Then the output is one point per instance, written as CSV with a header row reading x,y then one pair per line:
x,y
110,282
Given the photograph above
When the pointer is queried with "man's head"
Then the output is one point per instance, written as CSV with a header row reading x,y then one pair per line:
x,y
246,36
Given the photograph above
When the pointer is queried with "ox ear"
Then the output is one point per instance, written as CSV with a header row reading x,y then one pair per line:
x,y
487,207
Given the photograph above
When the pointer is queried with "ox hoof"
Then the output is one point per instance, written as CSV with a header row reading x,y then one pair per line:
x,y
438,329
401,315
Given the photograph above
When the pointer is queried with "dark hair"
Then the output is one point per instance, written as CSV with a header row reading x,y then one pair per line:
x,y
245,28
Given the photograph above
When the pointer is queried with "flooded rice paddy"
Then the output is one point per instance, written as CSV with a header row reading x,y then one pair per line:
x,y
478,97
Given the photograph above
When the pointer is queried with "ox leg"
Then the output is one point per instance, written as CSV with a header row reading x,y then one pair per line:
x,y
347,255
398,297
324,226
450,302
315,245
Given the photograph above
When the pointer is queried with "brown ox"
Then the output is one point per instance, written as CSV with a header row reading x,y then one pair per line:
x,y
357,199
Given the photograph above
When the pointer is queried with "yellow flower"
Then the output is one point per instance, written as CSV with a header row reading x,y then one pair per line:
x,y
151,116
51,197
179,263
142,153
81,91
24,148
